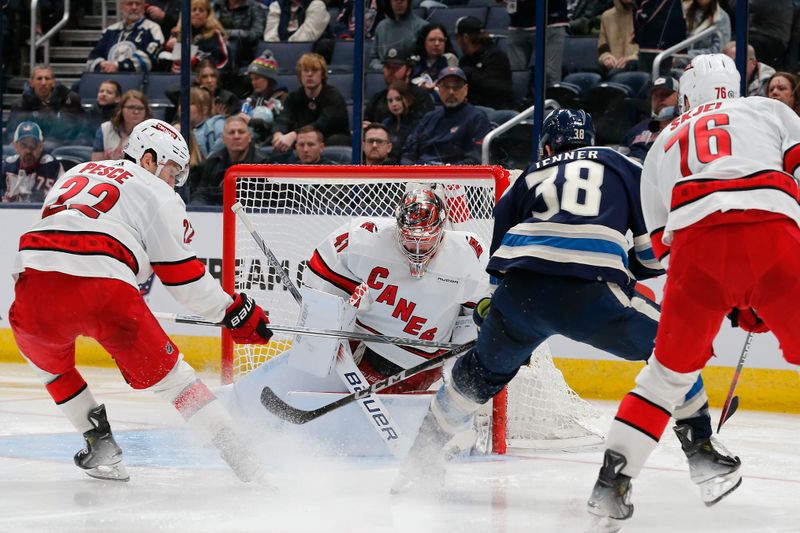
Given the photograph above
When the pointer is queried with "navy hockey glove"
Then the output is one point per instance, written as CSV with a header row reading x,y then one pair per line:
x,y
481,310
247,321
748,320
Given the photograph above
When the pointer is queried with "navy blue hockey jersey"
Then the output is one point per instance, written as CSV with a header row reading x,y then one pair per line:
x,y
569,214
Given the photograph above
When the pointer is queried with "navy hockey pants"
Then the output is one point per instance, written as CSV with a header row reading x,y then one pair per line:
x,y
529,307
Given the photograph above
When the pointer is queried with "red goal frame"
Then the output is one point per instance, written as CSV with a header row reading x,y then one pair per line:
x,y
499,175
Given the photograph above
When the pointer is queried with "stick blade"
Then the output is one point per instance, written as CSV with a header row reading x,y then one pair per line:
x,y
726,415
283,410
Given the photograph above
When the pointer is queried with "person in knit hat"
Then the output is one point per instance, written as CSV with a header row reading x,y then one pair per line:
x,y
265,102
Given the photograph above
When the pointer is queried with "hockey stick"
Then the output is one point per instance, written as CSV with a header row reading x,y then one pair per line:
x,y
331,333
238,208
294,415
732,402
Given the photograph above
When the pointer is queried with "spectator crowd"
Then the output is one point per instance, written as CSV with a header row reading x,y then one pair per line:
x,y
446,81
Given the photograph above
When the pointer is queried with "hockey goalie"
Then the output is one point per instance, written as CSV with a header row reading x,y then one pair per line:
x,y
404,277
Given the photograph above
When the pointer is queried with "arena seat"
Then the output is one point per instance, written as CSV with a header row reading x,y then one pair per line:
x,y
80,153
584,80
90,83
447,17
496,20
340,155
373,84
566,94
520,86
342,59
286,54
157,85
580,55
344,82
638,82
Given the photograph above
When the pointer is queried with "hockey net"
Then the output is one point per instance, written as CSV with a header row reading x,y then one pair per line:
x,y
295,207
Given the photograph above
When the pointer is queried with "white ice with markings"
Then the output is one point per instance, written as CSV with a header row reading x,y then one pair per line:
x,y
179,485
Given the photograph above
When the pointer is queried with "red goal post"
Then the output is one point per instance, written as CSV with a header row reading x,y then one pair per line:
x,y
294,207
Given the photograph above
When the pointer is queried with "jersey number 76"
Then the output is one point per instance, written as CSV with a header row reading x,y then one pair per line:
x,y
711,141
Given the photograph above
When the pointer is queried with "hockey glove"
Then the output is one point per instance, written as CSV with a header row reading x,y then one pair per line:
x,y
481,310
247,321
748,320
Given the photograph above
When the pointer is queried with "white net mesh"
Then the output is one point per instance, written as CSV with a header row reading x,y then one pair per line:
x,y
294,214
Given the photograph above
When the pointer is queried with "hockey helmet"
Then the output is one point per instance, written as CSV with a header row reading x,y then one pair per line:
x,y
166,143
420,227
707,78
566,128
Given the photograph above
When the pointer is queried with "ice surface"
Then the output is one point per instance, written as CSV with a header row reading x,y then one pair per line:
x,y
179,485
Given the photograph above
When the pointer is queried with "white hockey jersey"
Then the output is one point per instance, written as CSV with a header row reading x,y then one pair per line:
x,y
114,219
728,154
366,250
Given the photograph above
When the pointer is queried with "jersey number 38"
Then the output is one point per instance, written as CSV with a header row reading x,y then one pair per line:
x,y
579,193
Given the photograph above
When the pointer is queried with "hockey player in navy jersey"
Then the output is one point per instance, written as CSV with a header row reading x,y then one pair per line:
x,y
562,265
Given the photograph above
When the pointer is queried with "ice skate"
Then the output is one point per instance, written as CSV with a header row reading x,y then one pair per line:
x,y
102,457
610,501
711,465
242,460
424,467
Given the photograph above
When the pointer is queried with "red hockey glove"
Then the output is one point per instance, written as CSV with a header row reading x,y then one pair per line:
x,y
247,321
748,320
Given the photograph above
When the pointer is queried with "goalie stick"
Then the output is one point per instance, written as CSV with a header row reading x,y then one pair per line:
x,y
732,402
379,417
284,411
331,333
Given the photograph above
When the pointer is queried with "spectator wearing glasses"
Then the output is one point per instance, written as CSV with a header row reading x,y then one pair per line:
x,y
451,134
112,135
377,146
28,174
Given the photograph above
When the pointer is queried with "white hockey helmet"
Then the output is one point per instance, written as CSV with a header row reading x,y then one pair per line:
x,y
707,78
166,143
420,227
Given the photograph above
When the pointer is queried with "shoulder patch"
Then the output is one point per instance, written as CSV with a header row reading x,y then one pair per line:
x,y
475,245
369,226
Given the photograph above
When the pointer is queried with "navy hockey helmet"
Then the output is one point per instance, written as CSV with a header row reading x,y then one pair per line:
x,y
566,127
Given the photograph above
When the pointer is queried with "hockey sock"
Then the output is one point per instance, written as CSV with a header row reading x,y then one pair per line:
x,y
452,409
701,424
73,397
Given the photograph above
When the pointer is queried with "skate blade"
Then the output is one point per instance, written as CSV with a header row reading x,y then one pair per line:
x,y
603,524
713,490
115,472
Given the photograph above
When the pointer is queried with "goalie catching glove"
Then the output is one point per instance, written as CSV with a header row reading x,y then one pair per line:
x,y
247,321
748,320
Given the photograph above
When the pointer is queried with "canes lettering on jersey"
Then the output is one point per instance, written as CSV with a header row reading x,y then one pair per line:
x,y
366,251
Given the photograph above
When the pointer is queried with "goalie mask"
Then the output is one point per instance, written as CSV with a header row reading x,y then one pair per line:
x,y
708,77
166,143
420,227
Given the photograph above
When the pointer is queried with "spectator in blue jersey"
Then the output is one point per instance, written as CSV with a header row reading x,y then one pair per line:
x,y
29,174
451,134
663,108
132,44
486,66
561,265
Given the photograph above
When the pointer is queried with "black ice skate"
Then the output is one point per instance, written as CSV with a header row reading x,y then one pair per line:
x,y
242,460
611,497
102,458
423,467
711,466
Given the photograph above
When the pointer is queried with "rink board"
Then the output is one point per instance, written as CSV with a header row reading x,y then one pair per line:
x,y
768,382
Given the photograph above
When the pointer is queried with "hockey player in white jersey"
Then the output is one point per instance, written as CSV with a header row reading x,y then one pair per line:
x,y
419,280
106,226
720,199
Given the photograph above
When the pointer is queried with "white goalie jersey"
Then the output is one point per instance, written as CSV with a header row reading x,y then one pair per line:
x,y
114,219
366,251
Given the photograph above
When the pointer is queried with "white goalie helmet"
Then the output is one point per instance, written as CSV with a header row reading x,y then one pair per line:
x,y
707,78
164,141
420,227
